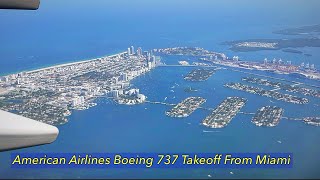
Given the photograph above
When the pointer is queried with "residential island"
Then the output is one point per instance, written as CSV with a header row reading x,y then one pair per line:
x,y
186,107
199,74
268,93
268,116
283,86
224,113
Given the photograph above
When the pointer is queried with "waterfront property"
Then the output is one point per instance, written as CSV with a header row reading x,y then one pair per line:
x,y
48,94
315,121
186,107
295,88
199,74
222,115
267,116
268,93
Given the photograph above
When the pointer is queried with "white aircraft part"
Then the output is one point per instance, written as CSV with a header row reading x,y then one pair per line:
x,y
18,132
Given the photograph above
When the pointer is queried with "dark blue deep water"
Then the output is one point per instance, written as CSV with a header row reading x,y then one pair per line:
x,y
63,31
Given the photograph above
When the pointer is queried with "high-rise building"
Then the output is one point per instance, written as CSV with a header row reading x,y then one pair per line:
x,y
307,65
265,61
124,77
224,57
149,65
312,66
79,100
151,52
149,56
114,93
235,58
139,51
129,51
132,50
280,61
6,79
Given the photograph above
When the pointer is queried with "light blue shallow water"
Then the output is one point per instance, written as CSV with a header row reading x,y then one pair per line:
x,y
36,39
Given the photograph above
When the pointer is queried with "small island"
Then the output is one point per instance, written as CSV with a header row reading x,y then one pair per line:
x,y
131,97
199,74
292,51
315,121
272,44
305,30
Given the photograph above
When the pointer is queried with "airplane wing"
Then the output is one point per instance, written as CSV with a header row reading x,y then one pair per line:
x,y
20,4
19,132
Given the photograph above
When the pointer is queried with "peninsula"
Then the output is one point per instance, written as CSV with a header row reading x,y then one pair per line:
x,y
50,94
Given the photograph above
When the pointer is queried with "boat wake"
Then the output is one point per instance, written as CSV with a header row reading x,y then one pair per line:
x,y
210,131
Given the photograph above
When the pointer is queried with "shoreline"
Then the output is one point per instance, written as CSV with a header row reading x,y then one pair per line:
x,y
68,62
71,63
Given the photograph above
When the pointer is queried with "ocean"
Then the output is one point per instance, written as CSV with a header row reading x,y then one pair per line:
x,y
61,32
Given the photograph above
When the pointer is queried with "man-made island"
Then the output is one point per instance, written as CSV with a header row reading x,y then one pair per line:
x,y
199,74
267,116
186,107
283,86
268,93
315,121
224,113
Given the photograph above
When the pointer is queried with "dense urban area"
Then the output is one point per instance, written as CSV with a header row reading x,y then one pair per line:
x,y
51,94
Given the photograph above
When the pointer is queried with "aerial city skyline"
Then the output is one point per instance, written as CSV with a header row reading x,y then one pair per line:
x,y
164,77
